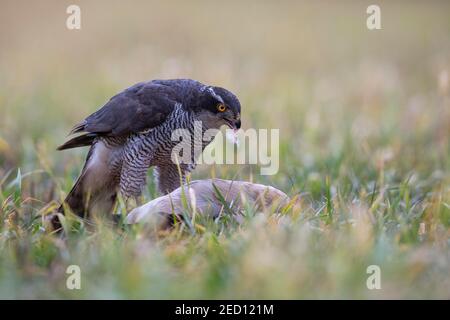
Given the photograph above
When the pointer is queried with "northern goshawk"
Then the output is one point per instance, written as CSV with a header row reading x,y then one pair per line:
x,y
132,132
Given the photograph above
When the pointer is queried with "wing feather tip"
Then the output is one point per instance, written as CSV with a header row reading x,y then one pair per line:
x,y
78,128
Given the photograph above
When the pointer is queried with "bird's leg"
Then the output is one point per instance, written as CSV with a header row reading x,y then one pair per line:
x,y
132,180
167,177
132,202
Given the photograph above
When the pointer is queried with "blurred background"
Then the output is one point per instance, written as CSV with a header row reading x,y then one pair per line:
x,y
358,111
313,70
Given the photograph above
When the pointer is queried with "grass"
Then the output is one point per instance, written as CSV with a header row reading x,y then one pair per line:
x,y
364,119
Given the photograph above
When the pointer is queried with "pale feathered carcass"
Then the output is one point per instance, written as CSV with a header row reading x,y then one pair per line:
x,y
208,197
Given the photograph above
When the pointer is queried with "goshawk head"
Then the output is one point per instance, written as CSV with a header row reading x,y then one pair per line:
x,y
216,107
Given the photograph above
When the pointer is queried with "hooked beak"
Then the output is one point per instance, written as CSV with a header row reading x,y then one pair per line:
x,y
235,125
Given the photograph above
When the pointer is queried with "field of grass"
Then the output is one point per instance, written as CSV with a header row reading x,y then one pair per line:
x,y
364,119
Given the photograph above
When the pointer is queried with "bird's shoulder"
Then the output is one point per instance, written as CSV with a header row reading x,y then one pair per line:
x,y
140,107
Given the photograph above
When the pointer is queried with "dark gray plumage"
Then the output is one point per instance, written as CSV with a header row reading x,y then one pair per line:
x,y
132,132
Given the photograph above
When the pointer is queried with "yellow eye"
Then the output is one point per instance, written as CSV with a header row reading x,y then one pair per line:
x,y
221,107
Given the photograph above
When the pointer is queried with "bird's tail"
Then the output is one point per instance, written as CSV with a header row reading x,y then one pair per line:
x,y
75,201
94,190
